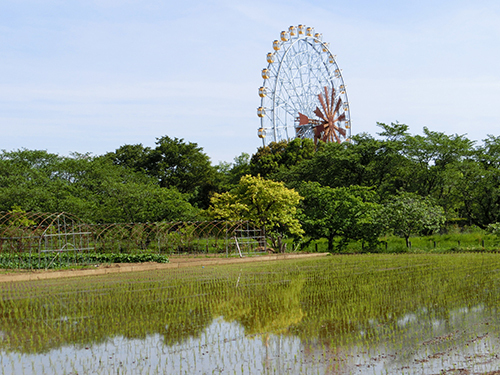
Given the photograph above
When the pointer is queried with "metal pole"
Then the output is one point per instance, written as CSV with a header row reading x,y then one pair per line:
x,y
225,240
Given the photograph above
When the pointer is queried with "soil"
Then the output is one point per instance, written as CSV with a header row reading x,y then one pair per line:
x,y
176,261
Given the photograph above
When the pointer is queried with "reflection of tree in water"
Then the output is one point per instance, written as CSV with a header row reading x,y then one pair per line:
x,y
269,307
47,315
272,306
187,323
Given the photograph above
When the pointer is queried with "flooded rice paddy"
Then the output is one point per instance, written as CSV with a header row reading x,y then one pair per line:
x,y
370,314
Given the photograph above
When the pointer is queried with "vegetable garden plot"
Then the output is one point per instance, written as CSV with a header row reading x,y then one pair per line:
x,y
408,314
41,240
33,240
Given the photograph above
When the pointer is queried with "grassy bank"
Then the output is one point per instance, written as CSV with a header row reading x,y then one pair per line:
x,y
454,240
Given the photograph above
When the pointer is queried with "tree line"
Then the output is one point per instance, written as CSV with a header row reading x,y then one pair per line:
x,y
350,191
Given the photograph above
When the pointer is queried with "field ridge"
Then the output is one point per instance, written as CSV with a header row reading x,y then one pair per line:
x,y
174,262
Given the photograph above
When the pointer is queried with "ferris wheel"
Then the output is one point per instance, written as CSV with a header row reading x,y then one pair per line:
x,y
303,94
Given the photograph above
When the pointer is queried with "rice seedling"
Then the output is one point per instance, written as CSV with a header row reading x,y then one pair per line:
x,y
349,314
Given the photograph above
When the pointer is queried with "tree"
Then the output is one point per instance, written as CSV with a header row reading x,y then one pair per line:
x,y
394,132
278,157
430,156
346,212
27,179
177,163
479,187
111,193
408,214
173,163
365,161
267,159
267,204
92,188
135,157
231,173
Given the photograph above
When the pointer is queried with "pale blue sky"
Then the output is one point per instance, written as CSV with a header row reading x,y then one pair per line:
x,y
90,76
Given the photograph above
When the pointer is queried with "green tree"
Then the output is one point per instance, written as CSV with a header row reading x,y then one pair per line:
x,y
267,204
112,193
183,165
279,157
135,157
346,212
28,179
431,155
174,163
394,132
365,161
177,163
267,159
480,185
231,173
409,214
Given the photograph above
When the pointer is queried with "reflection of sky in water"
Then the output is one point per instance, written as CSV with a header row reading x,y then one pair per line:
x,y
222,348
418,343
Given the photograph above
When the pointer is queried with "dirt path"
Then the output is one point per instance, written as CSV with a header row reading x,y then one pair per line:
x,y
175,262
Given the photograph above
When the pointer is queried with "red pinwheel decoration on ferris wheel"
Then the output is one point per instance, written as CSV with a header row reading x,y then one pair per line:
x,y
327,128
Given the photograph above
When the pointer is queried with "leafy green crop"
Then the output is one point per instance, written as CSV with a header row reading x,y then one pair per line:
x,y
63,260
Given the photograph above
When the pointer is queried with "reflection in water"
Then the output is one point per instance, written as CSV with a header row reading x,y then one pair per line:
x,y
344,315
222,348
225,348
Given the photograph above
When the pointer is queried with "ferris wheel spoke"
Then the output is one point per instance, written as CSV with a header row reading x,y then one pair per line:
x,y
286,95
293,89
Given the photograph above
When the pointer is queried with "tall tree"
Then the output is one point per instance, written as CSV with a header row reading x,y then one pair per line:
x,y
231,173
276,158
177,163
174,163
431,154
477,184
135,157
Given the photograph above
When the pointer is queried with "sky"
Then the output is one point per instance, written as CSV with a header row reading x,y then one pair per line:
x,y
89,76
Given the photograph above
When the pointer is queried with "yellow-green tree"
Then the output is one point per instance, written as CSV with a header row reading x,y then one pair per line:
x,y
269,205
